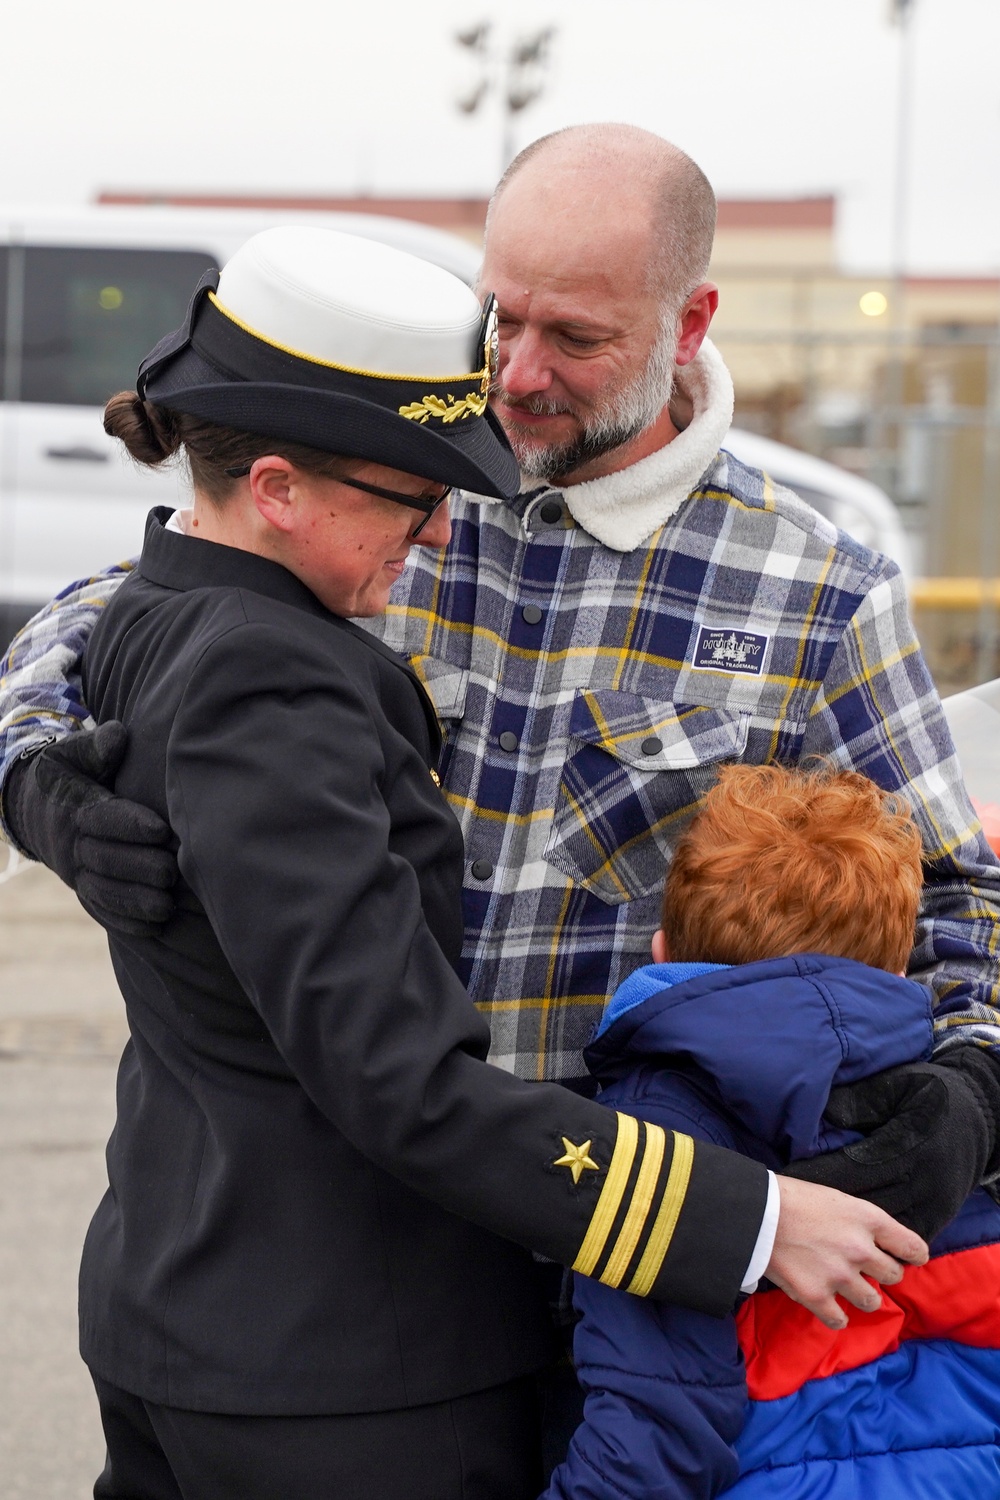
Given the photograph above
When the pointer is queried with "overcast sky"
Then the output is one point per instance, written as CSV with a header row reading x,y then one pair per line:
x,y
771,97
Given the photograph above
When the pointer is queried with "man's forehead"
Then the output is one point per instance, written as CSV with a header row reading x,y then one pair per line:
x,y
570,248
545,189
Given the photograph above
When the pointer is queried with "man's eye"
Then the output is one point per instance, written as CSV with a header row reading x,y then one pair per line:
x,y
579,342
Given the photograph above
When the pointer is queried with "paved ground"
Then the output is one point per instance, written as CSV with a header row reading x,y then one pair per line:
x,y
61,1030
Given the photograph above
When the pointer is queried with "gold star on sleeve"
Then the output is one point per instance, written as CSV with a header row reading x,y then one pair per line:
x,y
577,1158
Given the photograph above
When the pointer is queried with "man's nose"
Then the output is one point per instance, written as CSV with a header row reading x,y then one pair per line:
x,y
437,531
524,365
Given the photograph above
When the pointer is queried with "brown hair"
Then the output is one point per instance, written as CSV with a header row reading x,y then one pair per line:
x,y
152,434
782,861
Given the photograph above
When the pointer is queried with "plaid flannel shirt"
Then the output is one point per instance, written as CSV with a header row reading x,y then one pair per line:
x,y
588,698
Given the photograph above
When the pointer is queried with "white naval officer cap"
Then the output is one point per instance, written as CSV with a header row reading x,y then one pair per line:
x,y
347,345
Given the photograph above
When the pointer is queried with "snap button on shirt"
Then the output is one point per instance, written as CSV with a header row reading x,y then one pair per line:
x,y
508,741
652,746
531,614
482,869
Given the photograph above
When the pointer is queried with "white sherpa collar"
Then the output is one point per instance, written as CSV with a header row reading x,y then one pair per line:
x,y
622,510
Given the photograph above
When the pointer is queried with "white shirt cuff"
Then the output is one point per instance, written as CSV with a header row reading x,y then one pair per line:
x,y
764,1247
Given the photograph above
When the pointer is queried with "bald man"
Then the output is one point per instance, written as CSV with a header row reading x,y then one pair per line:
x,y
647,609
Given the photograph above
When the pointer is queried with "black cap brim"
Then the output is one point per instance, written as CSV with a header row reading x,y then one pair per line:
x,y
473,456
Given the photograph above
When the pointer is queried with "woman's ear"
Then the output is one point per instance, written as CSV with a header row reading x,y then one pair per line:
x,y
661,953
272,483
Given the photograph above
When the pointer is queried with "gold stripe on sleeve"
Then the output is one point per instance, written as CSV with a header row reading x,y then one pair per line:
x,y
638,1210
612,1193
666,1219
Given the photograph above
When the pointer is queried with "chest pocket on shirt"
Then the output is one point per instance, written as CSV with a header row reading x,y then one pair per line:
x,y
447,687
445,684
635,773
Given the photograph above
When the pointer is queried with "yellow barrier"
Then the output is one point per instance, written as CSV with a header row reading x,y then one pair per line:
x,y
954,593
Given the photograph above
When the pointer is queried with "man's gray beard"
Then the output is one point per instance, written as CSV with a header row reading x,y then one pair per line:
x,y
629,412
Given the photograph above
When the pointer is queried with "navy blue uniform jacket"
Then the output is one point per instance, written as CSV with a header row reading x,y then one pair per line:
x,y
318,1188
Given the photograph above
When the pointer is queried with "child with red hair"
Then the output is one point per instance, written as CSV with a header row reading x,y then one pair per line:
x,y
788,919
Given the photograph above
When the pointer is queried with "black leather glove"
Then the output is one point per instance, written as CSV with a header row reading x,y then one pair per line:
x,y
935,1136
112,852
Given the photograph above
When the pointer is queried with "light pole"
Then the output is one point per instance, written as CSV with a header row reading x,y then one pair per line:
x,y
511,71
901,15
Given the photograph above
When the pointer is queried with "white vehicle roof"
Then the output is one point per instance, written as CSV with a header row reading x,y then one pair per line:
x,y
854,504
222,231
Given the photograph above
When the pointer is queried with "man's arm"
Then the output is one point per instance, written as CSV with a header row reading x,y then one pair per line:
x,y
878,712
56,770
41,695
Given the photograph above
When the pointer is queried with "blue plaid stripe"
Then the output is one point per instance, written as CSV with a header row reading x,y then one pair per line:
x,y
578,822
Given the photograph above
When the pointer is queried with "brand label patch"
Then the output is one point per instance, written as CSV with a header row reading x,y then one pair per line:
x,y
725,650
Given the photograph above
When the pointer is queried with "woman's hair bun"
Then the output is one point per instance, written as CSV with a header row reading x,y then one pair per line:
x,y
150,433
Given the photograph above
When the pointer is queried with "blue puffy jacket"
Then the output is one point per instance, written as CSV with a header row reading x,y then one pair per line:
x,y
904,1404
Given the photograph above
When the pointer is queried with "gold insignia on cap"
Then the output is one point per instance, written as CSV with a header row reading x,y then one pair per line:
x,y
446,409
491,342
577,1158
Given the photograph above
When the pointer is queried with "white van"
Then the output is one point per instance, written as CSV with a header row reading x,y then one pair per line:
x,y
85,294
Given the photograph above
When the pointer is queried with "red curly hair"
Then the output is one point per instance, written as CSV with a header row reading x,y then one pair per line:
x,y
783,861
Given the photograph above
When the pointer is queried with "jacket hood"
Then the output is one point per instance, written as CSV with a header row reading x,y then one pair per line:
x,y
767,1041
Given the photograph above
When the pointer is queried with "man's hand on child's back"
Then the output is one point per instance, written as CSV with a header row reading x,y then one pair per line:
x,y
931,1135
827,1243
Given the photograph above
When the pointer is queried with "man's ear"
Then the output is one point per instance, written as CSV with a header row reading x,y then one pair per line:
x,y
695,317
661,953
272,485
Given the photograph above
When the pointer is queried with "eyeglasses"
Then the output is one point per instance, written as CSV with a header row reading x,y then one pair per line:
x,y
415,502
423,503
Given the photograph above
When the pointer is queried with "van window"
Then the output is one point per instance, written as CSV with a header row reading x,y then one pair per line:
x,y
91,315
